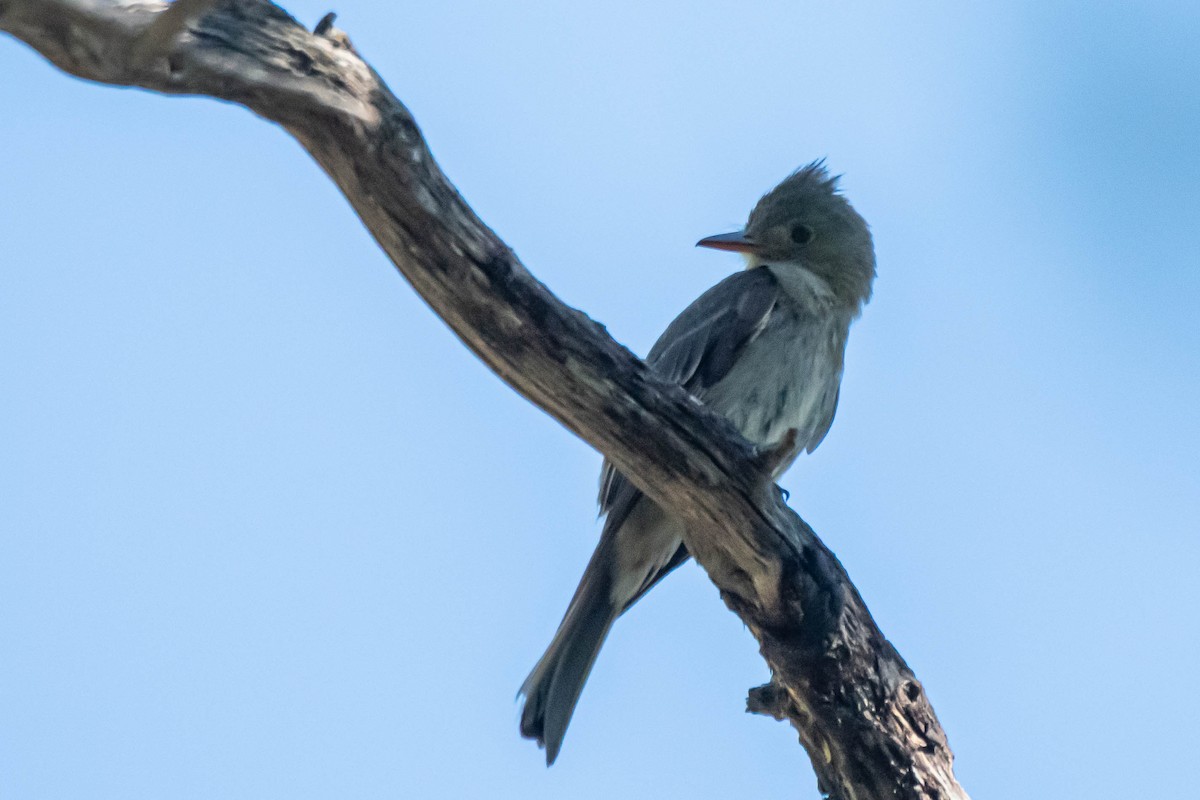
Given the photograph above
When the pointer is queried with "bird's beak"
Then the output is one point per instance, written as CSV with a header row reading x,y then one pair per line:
x,y
736,242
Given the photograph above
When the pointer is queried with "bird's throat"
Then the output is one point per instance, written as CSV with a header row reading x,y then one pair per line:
x,y
802,284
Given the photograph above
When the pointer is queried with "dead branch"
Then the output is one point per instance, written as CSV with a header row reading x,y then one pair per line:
x,y
860,712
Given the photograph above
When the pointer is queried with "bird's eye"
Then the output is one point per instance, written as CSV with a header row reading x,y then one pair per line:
x,y
802,234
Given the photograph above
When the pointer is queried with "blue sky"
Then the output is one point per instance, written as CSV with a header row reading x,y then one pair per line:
x,y
268,530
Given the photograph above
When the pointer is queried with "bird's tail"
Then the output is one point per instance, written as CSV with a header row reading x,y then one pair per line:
x,y
552,689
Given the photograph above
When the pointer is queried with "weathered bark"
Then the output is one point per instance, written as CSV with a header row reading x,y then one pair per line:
x,y
860,712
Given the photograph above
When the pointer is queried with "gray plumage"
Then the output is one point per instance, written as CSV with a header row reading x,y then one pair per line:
x,y
764,348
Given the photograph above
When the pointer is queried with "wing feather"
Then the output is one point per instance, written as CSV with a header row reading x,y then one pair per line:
x,y
696,351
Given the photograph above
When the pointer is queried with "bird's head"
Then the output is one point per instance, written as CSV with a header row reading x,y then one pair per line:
x,y
805,223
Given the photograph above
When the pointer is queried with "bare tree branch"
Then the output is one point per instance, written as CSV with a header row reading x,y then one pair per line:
x,y
860,712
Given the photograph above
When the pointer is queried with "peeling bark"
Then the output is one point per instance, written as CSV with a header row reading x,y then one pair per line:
x,y
861,714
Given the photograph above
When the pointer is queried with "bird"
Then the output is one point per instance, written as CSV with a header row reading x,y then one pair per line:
x,y
765,348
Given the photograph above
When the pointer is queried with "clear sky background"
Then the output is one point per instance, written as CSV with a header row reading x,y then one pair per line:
x,y
268,530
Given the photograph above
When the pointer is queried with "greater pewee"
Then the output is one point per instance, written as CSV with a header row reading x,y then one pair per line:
x,y
763,347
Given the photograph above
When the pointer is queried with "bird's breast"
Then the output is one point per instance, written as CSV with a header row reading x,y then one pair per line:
x,y
786,378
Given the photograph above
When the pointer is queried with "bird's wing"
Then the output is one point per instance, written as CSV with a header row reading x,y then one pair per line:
x,y
696,351
701,345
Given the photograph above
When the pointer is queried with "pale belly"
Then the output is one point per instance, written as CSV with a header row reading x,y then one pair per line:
x,y
787,378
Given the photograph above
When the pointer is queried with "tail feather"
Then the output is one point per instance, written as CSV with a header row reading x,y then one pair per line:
x,y
553,687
